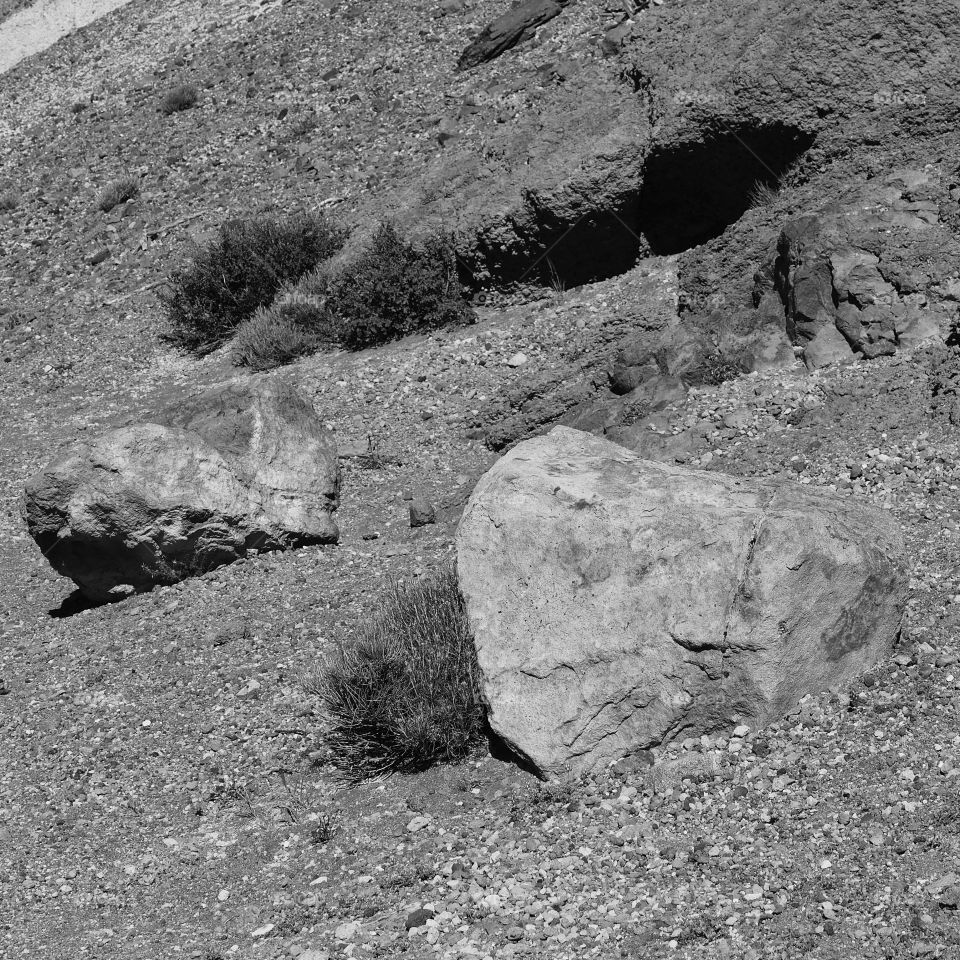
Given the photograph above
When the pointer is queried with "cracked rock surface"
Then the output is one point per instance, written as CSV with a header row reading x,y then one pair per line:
x,y
246,465
618,603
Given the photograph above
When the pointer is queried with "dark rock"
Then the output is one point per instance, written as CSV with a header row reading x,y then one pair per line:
x,y
422,514
614,39
513,27
624,379
418,918
635,763
876,268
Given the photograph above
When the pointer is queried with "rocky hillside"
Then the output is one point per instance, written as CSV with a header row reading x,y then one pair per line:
x,y
659,209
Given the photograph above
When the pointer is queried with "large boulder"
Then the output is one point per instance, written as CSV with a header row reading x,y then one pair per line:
x,y
246,465
619,603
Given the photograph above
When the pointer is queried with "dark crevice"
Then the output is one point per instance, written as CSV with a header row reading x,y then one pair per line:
x,y
692,192
682,196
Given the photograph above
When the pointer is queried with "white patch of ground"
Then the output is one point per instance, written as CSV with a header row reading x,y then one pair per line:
x,y
37,27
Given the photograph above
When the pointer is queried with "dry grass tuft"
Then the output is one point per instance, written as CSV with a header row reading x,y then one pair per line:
x,y
406,694
762,194
117,192
181,97
290,328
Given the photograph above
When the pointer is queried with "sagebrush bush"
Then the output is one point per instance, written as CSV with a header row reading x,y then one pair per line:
x,y
394,288
290,328
181,97
240,272
117,192
406,693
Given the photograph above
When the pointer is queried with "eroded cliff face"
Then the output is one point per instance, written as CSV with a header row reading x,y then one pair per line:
x,y
662,147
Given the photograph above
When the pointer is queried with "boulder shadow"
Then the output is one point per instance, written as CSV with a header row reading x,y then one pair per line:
x,y
76,603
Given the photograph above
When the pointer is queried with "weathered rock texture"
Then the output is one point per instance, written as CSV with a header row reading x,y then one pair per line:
x,y
619,603
246,465
867,275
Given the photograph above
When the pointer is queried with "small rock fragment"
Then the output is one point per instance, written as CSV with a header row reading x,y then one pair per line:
x,y
422,514
418,918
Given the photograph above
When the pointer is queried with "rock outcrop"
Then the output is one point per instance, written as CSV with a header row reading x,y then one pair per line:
x,y
246,465
867,275
619,603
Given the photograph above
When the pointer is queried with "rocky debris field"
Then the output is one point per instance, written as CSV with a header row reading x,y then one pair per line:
x,y
164,789
160,780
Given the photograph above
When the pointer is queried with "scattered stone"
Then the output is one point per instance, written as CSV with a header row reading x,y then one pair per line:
x,y
347,931
418,918
422,514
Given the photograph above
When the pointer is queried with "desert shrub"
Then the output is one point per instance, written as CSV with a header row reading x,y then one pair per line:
x,y
290,328
240,272
181,97
393,288
117,192
406,693
390,289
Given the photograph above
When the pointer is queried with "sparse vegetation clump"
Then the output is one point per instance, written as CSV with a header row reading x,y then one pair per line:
x,y
394,288
718,368
182,97
390,289
762,194
117,192
406,694
241,272
290,328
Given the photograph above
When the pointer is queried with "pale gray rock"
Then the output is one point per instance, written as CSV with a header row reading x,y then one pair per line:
x,y
618,604
246,465
828,347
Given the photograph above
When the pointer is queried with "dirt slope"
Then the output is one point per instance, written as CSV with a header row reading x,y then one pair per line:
x,y
157,792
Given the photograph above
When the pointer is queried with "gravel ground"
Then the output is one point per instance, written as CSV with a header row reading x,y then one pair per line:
x,y
163,791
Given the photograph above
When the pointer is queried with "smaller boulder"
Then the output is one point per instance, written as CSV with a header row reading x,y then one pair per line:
x,y
246,465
